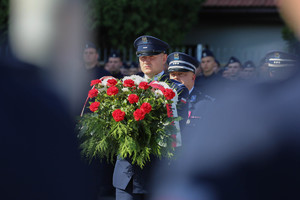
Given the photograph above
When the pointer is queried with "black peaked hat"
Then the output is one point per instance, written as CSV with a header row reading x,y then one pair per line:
x,y
90,45
148,45
233,60
249,64
206,53
114,54
281,59
181,62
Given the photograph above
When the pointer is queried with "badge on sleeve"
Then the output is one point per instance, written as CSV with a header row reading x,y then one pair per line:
x,y
193,98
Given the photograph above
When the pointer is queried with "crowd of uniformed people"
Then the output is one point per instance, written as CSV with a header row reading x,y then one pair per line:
x,y
240,142
200,84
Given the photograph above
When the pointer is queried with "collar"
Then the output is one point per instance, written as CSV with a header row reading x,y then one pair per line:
x,y
156,77
191,90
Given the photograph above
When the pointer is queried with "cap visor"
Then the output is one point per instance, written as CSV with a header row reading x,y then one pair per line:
x,y
147,53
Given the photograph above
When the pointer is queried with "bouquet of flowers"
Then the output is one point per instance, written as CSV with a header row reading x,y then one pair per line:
x,y
130,118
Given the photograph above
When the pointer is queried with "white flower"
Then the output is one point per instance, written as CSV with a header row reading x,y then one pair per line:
x,y
158,93
102,89
164,84
105,79
125,89
137,79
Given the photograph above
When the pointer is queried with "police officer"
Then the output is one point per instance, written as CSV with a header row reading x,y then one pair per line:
x,y
234,66
182,68
114,64
92,67
249,71
133,68
281,65
91,63
209,64
131,182
210,81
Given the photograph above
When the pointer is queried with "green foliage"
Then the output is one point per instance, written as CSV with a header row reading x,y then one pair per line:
x,y
117,23
4,16
289,36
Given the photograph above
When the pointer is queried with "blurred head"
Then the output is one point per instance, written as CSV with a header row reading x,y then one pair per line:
x,y
115,63
50,34
182,68
226,73
107,66
90,56
234,68
124,70
248,71
281,65
198,70
133,68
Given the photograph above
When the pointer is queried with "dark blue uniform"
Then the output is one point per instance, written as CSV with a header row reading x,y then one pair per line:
x,y
201,101
131,178
131,182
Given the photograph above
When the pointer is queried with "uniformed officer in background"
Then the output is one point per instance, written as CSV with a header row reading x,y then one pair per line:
x,y
249,71
253,152
210,82
114,64
281,65
234,66
182,68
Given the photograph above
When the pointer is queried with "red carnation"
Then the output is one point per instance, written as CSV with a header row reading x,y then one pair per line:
x,y
133,98
128,83
93,93
111,82
118,115
138,115
174,144
94,106
169,94
94,82
146,107
112,91
144,85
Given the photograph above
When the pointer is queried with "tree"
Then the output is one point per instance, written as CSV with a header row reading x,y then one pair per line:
x,y
4,6
289,36
117,23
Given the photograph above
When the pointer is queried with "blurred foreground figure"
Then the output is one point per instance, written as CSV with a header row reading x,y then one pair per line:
x,y
38,147
252,152
281,65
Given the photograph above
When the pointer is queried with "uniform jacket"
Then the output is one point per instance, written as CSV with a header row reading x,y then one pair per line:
x,y
124,171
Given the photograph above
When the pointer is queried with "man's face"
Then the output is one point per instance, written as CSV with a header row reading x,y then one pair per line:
x,y
90,56
186,78
234,69
115,64
133,70
152,65
249,72
226,74
208,64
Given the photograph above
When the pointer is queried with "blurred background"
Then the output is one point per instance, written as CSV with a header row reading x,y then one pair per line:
x,y
241,28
